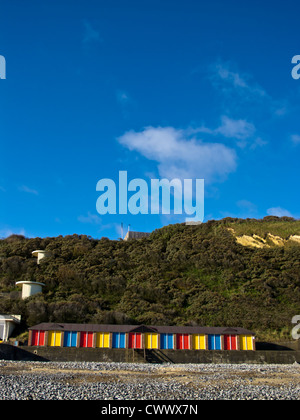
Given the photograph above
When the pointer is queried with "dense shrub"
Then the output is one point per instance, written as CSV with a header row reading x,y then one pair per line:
x,y
179,275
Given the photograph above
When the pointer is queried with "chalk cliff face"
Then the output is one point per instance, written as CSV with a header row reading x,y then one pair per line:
x,y
271,240
295,238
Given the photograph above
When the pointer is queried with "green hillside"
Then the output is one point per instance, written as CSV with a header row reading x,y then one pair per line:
x,y
184,275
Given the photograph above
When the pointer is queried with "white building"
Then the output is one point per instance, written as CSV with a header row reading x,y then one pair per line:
x,y
7,325
40,254
30,288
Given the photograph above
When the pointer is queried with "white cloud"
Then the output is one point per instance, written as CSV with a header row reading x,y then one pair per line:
x,y
179,156
279,212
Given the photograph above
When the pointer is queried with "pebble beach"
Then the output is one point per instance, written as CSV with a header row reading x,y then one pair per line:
x,y
129,381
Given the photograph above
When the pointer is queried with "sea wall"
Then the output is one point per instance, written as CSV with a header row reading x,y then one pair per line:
x,y
63,354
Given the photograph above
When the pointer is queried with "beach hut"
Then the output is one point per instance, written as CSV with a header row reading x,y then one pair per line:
x,y
182,341
167,341
214,342
141,337
70,338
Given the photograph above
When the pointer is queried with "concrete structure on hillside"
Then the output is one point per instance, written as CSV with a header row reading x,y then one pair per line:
x,y
40,254
30,288
136,235
191,223
7,325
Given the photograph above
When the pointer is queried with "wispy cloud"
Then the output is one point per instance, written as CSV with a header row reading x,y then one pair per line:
x,y
90,35
90,219
26,189
239,89
228,80
97,223
126,103
6,231
248,206
240,130
295,139
244,209
258,142
123,97
247,110
279,211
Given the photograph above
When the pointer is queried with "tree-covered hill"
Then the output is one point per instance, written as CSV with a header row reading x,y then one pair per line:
x,y
180,275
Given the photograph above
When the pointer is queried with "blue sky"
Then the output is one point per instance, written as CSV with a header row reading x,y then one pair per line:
x,y
187,89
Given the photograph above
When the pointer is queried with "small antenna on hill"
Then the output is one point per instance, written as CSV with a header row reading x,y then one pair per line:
x,y
122,230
